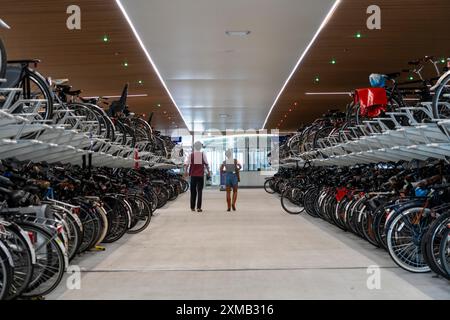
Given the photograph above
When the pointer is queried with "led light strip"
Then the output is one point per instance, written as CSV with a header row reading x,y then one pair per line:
x,y
326,93
322,25
3,24
141,43
108,97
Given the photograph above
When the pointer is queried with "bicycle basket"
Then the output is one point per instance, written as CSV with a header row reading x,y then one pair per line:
x,y
372,101
377,80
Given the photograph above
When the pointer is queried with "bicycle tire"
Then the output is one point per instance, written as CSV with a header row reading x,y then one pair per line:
x,y
55,264
437,114
287,196
444,252
3,60
267,186
23,263
6,272
141,211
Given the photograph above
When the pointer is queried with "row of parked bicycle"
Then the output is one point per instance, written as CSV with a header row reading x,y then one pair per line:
x,y
402,207
391,120
46,120
49,214
73,176
380,168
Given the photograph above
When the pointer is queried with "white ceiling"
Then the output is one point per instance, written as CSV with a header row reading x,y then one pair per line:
x,y
209,73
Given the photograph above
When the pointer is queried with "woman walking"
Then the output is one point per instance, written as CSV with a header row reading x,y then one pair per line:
x,y
195,166
230,168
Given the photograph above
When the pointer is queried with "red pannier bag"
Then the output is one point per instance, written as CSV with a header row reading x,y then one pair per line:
x,y
372,101
341,193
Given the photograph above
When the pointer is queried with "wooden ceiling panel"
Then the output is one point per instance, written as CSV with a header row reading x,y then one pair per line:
x,y
409,30
38,30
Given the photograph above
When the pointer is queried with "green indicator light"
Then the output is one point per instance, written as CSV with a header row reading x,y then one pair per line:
x,y
358,35
411,78
333,61
140,82
105,38
317,79
125,64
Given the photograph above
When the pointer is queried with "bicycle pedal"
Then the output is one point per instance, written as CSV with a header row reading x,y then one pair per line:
x,y
99,248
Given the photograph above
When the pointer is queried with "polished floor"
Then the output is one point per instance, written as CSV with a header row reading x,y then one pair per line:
x,y
258,252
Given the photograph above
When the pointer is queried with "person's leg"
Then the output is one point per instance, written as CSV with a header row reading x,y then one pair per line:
x,y
228,198
200,182
235,193
193,192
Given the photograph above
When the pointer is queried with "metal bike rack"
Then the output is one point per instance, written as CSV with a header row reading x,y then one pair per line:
x,y
386,139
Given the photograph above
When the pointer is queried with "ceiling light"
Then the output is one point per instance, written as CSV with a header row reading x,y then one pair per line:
x,y
442,60
302,56
140,82
149,58
290,110
317,79
3,24
158,105
238,33
295,103
223,116
125,64
109,97
326,93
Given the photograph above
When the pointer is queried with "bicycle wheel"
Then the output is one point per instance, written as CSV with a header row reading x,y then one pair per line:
x,y
291,201
163,195
21,252
91,228
404,235
444,252
50,260
142,214
34,86
268,186
3,60
310,200
6,272
184,185
441,99
431,243
118,218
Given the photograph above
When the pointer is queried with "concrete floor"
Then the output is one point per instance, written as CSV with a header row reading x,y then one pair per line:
x,y
259,252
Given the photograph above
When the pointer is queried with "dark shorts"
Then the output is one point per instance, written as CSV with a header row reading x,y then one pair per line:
x,y
231,179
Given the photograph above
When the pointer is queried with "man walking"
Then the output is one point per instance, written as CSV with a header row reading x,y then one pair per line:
x,y
195,165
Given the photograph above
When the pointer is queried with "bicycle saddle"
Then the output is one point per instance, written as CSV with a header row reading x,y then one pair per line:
x,y
24,61
392,75
90,100
14,195
73,93
6,182
33,189
414,62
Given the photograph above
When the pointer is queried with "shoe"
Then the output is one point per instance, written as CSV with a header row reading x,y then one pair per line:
x,y
199,210
193,210
228,209
234,207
